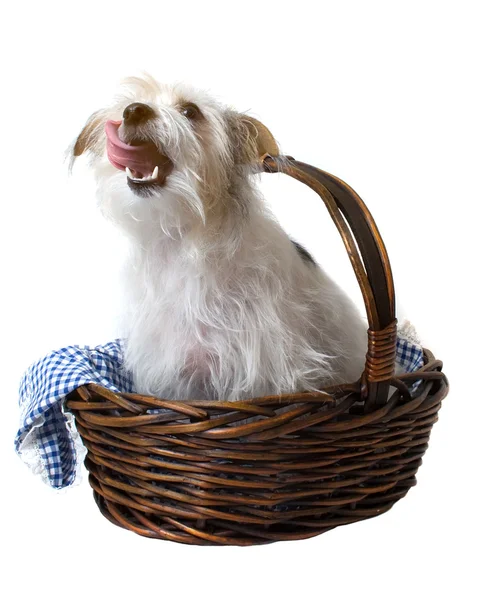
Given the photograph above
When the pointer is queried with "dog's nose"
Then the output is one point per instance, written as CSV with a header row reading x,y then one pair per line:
x,y
137,113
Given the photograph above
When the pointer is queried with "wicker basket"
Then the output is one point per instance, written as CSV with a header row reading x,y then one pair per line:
x,y
196,473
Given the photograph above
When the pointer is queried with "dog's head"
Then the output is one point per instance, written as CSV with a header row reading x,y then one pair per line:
x,y
170,154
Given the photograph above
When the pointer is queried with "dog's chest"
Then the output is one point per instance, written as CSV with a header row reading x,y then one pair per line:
x,y
200,325
186,318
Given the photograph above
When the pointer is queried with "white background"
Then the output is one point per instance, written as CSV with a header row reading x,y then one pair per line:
x,y
381,94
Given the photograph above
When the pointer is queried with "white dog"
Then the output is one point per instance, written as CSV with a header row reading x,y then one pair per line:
x,y
221,303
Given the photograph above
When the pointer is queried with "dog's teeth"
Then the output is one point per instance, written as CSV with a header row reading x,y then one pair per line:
x,y
151,177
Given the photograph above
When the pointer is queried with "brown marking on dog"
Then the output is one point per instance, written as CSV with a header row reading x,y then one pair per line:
x,y
89,135
250,138
263,138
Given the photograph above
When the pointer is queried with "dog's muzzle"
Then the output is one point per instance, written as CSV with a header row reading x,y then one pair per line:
x,y
143,163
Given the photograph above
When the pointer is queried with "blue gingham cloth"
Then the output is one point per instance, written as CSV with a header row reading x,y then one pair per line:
x,y
47,440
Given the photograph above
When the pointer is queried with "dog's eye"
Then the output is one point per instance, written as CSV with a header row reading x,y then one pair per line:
x,y
190,111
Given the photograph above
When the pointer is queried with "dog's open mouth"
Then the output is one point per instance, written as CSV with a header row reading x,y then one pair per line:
x,y
143,163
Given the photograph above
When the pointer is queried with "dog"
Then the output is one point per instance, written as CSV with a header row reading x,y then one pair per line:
x,y
221,303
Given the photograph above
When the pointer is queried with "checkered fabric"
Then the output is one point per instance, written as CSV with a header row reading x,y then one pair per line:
x,y
47,439
409,356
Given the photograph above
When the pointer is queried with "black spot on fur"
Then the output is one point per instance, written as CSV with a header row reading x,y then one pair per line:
x,y
305,255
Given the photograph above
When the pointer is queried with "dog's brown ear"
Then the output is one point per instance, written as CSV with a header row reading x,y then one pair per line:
x,y
250,139
89,135
262,137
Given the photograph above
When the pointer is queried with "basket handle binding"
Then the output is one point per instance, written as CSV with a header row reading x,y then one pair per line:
x,y
370,262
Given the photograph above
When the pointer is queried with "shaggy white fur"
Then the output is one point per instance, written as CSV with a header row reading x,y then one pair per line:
x,y
220,303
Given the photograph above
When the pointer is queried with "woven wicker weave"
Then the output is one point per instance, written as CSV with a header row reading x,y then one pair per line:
x,y
197,473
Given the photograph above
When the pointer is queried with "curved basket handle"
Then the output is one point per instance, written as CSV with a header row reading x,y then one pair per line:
x,y
362,241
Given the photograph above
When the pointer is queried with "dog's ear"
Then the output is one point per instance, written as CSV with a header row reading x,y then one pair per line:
x,y
250,139
262,137
89,135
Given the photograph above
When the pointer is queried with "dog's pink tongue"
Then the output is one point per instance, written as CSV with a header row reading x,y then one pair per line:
x,y
141,160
